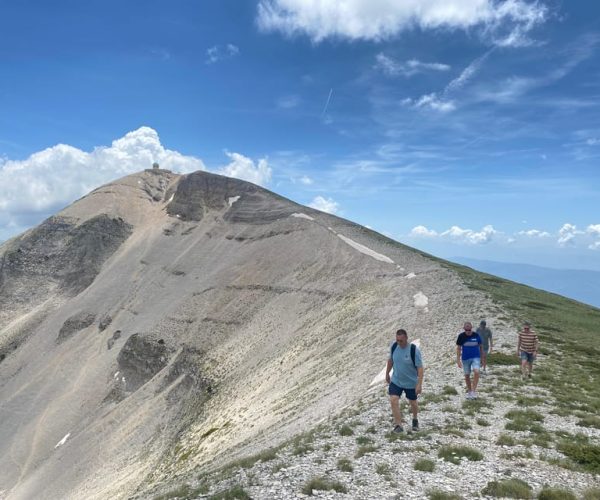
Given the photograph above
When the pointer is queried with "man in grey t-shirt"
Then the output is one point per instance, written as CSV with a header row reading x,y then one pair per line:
x,y
487,342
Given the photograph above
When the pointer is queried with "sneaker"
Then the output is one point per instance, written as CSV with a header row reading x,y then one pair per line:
x,y
529,375
415,424
474,395
398,429
470,395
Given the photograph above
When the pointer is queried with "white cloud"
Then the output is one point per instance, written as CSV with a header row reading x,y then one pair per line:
x,y
288,102
422,232
44,183
325,205
430,101
593,141
54,177
534,233
505,23
457,234
307,181
469,236
244,168
219,52
593,229
567,234
408,68
466,74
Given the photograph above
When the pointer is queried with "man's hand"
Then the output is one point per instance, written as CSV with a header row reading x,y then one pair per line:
x,y
518,354
459,363
418,389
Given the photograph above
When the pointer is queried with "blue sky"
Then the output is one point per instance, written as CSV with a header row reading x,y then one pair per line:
x,y
461,127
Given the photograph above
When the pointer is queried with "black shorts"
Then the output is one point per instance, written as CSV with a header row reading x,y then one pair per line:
x,y
394,390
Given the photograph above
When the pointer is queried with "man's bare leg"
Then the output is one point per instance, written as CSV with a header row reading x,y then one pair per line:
x,y
396,412
475,380
468,382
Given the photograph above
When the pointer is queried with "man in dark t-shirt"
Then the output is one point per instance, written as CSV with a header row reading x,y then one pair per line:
x,y
469,351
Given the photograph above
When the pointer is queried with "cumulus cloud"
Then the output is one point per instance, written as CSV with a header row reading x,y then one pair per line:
x,y
567,234
54,177
408,68
49,180
242,167
306,180
469,236
505,23
593,229
423,232
457,234
217,53
325,205
534,233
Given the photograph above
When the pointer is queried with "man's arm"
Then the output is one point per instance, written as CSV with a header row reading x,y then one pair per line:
x,y
458,361
537,345
388,369
491,341
519,346
420,380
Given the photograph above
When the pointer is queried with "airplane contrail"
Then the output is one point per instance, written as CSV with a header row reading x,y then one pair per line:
x,y
327,103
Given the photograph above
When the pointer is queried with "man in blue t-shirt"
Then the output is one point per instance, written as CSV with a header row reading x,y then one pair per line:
x,y
469,351
407,377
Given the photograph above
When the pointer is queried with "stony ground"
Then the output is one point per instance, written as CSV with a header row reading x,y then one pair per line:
x,y
356,454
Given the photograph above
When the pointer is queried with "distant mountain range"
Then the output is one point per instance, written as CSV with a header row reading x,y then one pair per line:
x,y
581,285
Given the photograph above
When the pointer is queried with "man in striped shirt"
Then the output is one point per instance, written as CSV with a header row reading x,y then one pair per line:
x,y
527,349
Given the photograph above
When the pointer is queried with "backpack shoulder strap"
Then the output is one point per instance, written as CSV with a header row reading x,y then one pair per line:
x,y
413,354
394,345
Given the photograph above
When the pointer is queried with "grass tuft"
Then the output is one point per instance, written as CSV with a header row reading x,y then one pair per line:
x,y
449,390
585,454
425,465
237,492
322,484
364,450
548,493
442,495
508,488
345,465
454,454
346,430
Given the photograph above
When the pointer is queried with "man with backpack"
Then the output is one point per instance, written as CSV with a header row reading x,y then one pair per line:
x,y
488,343
407,377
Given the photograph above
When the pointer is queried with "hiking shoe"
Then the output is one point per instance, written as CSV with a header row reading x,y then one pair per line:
x,y
474,395
398,429
529,375
470,395
415,424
